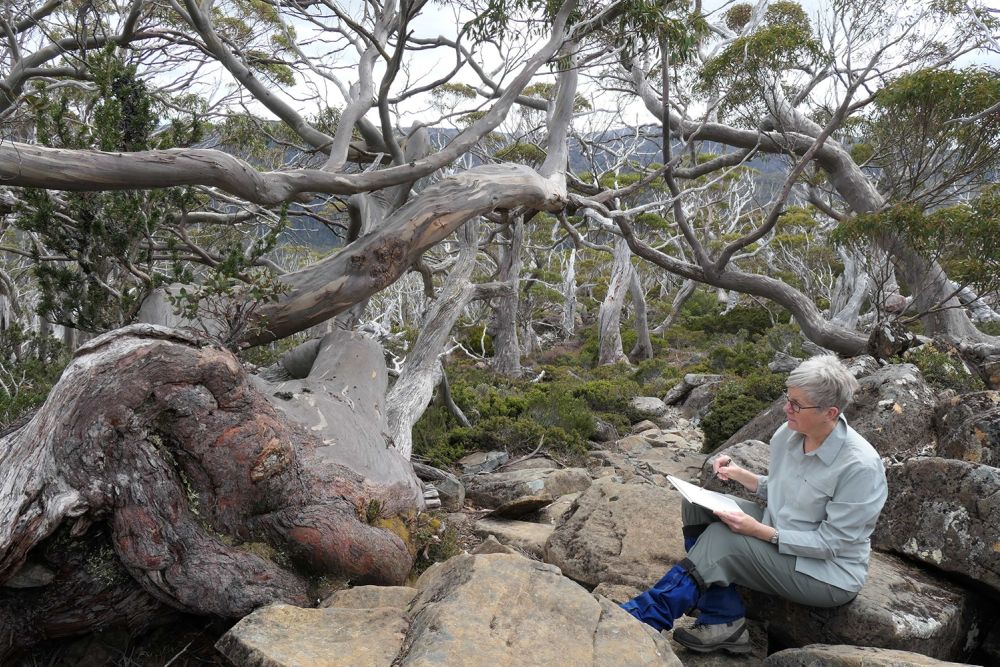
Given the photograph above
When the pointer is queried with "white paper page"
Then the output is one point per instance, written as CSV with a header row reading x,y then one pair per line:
x,y
699,496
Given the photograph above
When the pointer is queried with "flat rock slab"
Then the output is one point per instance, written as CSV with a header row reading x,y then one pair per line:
x,y
524,535
520,506
679,461
945,513
281,635
369,597
555,513
851,656
494,489
500,609
620,534
900,607
478,462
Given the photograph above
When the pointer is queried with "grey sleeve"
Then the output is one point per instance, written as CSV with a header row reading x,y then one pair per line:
x,y
762,487
850,517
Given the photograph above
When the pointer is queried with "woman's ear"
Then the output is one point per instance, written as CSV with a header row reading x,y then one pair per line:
x,y
833,413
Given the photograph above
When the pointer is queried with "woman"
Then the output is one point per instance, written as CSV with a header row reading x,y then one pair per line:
x,y
824,490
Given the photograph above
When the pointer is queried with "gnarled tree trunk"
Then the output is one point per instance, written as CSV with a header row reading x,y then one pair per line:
x,y
506,348
156,451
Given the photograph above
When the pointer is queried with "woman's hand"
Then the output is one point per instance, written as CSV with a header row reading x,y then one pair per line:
x,y
724,468
744,524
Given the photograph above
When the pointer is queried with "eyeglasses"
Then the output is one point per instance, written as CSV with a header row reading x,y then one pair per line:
x,y
797,408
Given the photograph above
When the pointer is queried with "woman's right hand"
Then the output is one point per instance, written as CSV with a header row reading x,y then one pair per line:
x,y
723,467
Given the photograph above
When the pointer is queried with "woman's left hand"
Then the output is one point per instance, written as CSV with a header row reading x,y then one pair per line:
x,y
743,524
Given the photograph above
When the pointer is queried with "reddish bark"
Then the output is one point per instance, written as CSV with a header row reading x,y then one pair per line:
x,y
159,443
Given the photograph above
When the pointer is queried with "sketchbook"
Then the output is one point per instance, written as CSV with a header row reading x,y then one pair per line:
x,y
716,502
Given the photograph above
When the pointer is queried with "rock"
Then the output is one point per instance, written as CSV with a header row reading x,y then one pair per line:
x,y
783,363
480,462
894,411
450,489
369,597
619,534
660,439
751,454
697,403
644,425
529,464
968,428
648,407
944,513
604,431
680,391
633,444
520,506
862,365
281,635
525,536
617,593
499,609
492,546
761,427
682,462
900,607
555,513
850,656
495,489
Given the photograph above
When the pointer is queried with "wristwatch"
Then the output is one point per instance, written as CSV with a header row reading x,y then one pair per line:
x,y
774,538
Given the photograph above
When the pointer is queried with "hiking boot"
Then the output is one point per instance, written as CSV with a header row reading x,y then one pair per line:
x,y
731,637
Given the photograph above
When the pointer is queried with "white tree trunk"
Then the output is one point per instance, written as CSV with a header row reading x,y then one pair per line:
x,y
609,317
421,373
643,345
849,292
506,348
569,294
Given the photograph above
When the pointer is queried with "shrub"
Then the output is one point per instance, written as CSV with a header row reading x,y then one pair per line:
x,y
30,365
944,369
737,402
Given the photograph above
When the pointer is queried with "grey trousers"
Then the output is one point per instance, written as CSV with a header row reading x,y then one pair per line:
x,y
723,557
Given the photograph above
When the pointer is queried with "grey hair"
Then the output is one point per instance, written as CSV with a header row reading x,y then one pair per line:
x,y
825,380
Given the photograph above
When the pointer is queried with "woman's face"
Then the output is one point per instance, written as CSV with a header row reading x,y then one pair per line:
x,y
808,419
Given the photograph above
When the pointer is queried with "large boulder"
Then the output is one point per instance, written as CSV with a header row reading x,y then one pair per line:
x,y
495,489
648,407
281,635
471,611
900,607
697,403
502,609
751,455
894,410
525,536
619,533
968,428
850,656
945,513
761,427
